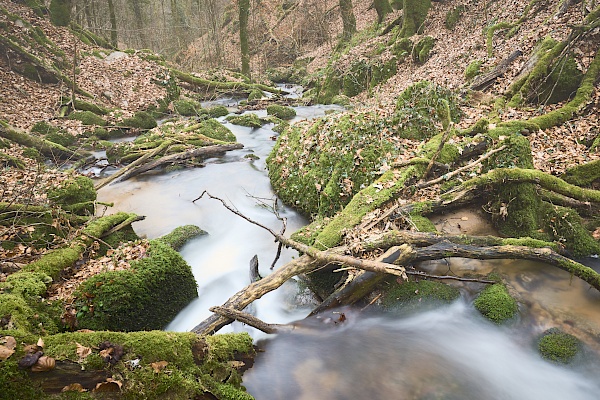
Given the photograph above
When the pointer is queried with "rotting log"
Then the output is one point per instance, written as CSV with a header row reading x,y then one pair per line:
x,y
486,80
214,85
66,373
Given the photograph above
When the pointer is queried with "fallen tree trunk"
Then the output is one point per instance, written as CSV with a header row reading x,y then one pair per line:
x,y
206,151
214,85
484,81
46,147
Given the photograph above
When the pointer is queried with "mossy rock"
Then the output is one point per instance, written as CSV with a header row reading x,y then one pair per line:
x,y
496,304
53,133
280,111
421,107
402,47
422,49
557,346
473,69
410,295
140,120
341,100
76,195
147,296
318,166
218,111
255,95
215,130
249,120
86,106
188,107
87,118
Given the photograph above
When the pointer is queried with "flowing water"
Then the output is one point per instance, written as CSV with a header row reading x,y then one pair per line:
x,y
445,353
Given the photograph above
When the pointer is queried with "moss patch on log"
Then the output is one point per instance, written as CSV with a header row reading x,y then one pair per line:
x,y
410,295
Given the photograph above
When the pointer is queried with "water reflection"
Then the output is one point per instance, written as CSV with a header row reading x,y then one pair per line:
x,y
448,353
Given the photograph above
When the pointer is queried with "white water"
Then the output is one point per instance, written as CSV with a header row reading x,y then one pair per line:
x,y
451,353
448,353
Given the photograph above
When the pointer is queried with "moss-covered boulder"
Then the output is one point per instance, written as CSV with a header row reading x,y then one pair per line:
x,y
76,195
557,346
218,111
188,107
409,295
280,111
249,120
473,69
53,134
144,297
140,120
255,95
496,304
181,235
87,118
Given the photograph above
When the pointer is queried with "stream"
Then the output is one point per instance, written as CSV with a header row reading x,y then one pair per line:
x,y
442,353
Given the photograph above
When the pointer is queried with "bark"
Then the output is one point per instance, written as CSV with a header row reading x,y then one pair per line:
x,y
113,24
348,19
383,8
206,151
244,12
66,373
484,81
251,320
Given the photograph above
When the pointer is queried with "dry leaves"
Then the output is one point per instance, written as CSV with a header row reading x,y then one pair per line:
x,y
44,364
159,366
83,351
110,385
73,387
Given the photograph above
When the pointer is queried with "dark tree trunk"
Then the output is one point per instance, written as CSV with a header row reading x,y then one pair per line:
x,y
113,24
348,19
383,8
244,9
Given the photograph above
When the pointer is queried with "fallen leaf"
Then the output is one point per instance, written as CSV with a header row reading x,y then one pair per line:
x,y
73,387
10,342
5,352
40,343
110,385
159,366
83,351
464,218
43,364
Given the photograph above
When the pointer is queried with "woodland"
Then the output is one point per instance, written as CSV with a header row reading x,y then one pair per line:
x,y
492,107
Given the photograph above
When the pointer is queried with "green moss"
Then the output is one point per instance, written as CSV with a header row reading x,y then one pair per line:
x,y
14,308
86,106
402,47
453,16
141,120
187,107
181,235
481,126
16,384
255,95
565,226
473,69
557,346
76,195
7,160
562,82
26,284
281,112
249,120
147,296
496,304
410,295
213,129
341,100
218,111
421,106
583,174
87,118
32,153
422,49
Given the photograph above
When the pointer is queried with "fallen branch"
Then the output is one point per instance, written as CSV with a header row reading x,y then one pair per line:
x,y
251,320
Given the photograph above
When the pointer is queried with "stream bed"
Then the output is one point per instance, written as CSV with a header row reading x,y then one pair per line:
x,y
444,353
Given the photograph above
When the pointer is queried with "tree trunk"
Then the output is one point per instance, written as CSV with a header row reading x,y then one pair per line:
x,y
244,12
113,24
383,8
415,12
348,19
60,12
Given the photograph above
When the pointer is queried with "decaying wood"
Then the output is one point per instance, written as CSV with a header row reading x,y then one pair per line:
x,y
254,273
484,81
251,320
66,373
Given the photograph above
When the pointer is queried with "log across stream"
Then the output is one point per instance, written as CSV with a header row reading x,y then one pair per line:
x,y
450,352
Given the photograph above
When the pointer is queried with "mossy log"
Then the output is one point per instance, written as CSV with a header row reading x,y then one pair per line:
x,y
47,148
55,261
484,81
228,86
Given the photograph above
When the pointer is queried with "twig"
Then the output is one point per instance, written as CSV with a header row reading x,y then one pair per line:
x,y
461,169
251,320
